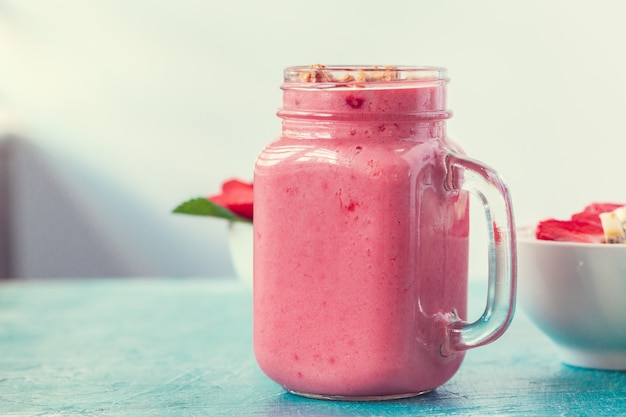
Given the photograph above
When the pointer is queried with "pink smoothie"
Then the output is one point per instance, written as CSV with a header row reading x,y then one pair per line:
x,y
360,254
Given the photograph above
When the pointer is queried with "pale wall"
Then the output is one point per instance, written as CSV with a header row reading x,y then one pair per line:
x,y
161,101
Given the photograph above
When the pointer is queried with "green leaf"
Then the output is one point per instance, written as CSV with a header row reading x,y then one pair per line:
x,y
202,207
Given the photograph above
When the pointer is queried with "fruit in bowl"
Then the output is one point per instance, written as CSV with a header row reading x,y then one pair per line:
x,y
572,285
235,204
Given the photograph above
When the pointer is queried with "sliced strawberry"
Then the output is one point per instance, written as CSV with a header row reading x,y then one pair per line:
x,y
591,213
570,231
236,196
597,208
587,217
584,226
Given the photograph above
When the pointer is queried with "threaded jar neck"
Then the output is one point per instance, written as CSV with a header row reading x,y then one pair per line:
x,y
396,97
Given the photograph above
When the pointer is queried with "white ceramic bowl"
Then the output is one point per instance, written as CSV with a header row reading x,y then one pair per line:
x,y
240,242
576,294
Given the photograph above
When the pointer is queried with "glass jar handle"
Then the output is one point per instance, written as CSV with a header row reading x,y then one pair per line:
x,y
464,173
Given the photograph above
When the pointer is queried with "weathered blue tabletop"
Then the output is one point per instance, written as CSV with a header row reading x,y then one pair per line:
x,y
166,347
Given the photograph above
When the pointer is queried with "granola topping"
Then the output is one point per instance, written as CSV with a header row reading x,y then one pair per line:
x,y
319,73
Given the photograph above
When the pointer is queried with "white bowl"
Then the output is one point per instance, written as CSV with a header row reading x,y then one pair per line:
x,y
576,294
240,242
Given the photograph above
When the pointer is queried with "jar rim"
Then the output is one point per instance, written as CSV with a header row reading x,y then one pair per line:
x,y
328,76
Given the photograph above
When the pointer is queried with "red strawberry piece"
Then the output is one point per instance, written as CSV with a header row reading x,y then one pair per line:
x,y
570,231
587,217
591,213
597,208
236,196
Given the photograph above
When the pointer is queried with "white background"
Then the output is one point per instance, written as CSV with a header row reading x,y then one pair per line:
x,y
138,105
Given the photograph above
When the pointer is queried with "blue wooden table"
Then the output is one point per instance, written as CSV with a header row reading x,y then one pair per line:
x,y
166,347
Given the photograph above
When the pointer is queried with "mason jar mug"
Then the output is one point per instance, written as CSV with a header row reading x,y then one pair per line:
x,y
361,227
